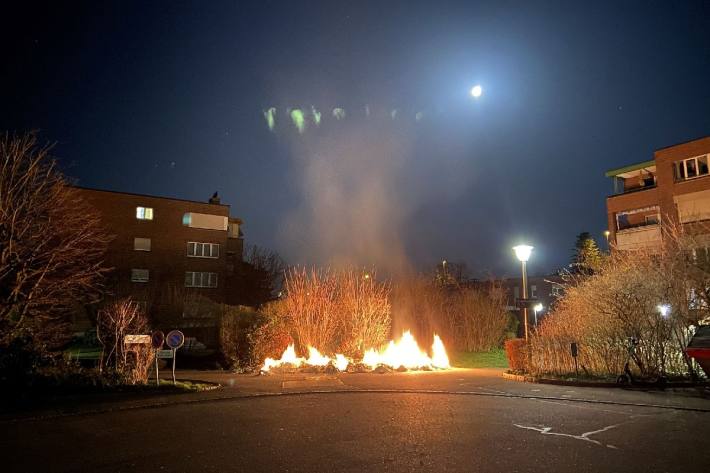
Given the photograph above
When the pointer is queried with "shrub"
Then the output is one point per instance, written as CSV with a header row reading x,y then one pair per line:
x,y
113,323
336,311
621,300
516,351
236,324
467,319
271,338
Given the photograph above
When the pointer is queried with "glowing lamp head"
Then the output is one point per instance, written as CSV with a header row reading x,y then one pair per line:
x,y
476,91
522,252
537,308
665,310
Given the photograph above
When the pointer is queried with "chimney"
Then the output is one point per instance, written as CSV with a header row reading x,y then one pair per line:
x,y
214,199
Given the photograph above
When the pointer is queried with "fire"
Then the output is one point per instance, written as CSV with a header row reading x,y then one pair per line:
x,y
404,353
288,357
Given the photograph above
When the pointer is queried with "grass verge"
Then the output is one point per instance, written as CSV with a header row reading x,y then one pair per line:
x,y
486,359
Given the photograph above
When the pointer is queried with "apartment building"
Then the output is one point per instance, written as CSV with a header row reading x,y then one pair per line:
x,y
673,188
170,254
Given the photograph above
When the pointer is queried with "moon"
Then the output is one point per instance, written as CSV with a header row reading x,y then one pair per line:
x,y
476,91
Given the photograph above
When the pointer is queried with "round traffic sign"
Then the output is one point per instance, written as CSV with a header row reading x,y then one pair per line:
x,y
174,339
157,339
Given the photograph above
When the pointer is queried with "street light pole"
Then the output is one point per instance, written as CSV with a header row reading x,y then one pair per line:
x,y
525,297
522,252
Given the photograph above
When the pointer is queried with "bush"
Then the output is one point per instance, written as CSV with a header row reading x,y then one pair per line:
x,y
116,320
516,351
237,323
271,338
620,301
346,311
467,319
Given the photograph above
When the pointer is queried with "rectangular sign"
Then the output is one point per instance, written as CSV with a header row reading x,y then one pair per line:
x,y
130,339
165,353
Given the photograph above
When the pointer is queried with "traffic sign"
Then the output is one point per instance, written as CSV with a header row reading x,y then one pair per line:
x,y
165,354
175,339
157,339
136,339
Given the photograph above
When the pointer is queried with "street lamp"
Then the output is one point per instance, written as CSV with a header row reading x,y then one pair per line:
x,y
665,310
522,252
537,308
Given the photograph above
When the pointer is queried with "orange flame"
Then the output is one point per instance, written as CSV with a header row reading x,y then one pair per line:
x,y
403,353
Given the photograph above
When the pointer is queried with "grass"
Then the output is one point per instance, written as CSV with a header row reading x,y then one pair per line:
x,y
487,359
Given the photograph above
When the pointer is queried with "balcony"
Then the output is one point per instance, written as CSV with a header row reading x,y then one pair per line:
x,y
634,178
639,237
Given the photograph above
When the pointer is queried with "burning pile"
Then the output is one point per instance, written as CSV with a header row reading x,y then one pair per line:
x,y
402,355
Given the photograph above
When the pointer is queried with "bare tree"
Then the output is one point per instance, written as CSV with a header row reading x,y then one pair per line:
x,y
113,323
261,276
51,243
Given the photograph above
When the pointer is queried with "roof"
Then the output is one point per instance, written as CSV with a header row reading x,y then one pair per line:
x,y
631,167
148,195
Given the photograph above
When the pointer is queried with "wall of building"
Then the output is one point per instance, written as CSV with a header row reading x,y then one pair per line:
x,y
168,260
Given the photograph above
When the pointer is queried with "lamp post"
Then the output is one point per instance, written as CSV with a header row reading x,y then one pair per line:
x,y
522,252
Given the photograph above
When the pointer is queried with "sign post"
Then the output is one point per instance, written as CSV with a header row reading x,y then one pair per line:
x,y
157,340
573,348
174,340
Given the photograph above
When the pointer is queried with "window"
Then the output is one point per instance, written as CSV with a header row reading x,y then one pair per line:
x,y
652,219
141,244
533,291
691,168
140,275
144,213
200,279
202,250
516,292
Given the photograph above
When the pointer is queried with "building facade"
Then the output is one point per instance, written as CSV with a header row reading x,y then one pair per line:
x,y
671,189
178,258
545,289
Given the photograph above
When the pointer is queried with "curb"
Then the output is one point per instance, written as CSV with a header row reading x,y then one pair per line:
x,y
524,378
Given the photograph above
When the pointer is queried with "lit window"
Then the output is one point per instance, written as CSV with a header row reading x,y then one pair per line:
x,y
200,279
141,244
140,275
202,250
144,213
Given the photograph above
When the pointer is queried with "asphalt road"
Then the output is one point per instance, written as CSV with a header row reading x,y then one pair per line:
x,y
363,423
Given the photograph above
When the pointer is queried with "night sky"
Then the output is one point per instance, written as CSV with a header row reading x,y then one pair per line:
x,y
169,100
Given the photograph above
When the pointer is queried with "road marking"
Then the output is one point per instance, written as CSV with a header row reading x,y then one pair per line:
x,y
585,437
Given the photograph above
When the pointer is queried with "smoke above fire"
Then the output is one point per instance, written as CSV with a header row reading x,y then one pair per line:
x,y
359,181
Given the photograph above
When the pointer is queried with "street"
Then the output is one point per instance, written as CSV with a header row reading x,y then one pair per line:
x,y
461,420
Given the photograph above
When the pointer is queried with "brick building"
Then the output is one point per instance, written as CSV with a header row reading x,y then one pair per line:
x,y
176,257
672,188
546,289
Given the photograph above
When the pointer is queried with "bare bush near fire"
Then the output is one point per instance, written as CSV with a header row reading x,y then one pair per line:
x,y
116,320
342,311
600,312
467,319
476,318
51,244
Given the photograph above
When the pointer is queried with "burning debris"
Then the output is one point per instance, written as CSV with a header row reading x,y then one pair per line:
x,y
402,355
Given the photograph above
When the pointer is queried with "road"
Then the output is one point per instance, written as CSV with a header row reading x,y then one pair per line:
x,y
463,420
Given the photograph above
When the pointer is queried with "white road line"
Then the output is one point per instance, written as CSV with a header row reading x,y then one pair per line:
x,y
585,437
